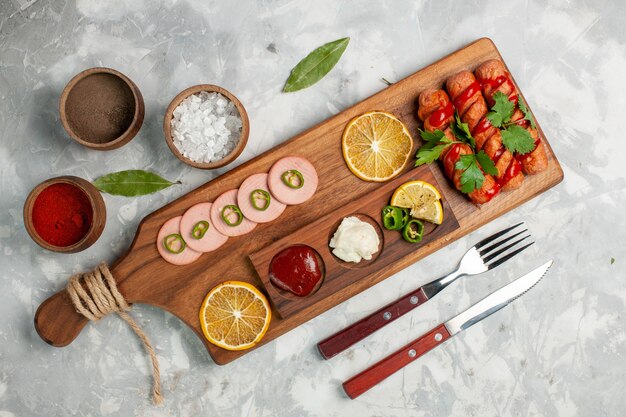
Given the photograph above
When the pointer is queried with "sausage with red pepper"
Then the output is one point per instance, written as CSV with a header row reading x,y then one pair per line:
x,y
493,77
436,111
468,100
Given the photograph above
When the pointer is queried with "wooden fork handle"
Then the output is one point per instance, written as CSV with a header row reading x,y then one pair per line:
x,y
358,331
376,373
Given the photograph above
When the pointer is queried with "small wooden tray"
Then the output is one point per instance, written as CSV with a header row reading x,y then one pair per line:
x,y
339,274
144,277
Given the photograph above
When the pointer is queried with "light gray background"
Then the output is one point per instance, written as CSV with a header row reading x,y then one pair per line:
x,y
559,351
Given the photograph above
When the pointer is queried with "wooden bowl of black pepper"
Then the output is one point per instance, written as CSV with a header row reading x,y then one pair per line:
x,y
101,108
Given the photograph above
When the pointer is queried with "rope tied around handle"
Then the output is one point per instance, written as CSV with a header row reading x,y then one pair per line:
x,y
95,295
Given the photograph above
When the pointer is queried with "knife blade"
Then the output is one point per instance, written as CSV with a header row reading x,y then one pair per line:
x,y
494,302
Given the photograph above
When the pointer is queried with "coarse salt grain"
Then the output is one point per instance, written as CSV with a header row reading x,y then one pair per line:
x,y
206,127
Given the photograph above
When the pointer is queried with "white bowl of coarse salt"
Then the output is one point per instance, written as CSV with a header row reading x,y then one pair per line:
x,y
206,126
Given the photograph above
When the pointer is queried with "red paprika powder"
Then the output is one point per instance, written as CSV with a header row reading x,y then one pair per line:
x,y
62,214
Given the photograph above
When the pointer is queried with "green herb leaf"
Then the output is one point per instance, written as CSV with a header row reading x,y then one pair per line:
x,y
501,111
435,136
316,65
486,163
462,132
131,183
427,154
612,261
517,139
436,143
472,177
527,114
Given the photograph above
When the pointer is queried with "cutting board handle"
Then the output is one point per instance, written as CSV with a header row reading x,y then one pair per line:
x,y
57,322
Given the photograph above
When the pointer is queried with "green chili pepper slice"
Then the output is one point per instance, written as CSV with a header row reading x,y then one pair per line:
x,y
200,229
169,240
232,209
262,195
288,178
392,217
413,231
405,216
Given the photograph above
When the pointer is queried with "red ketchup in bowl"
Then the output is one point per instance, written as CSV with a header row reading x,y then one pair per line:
x,y
297,270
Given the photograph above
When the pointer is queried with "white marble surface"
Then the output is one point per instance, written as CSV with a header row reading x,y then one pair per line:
x,y
559,351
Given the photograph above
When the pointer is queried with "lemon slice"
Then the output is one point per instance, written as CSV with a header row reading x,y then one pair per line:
x,y
414,193
376,146
432,212
235,315
422,198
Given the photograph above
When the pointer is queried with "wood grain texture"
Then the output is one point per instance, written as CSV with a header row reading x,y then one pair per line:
x,y
343,339
143,277
340,275
386,367
132,129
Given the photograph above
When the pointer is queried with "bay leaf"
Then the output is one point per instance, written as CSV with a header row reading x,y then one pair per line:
x,y
132,182
315,65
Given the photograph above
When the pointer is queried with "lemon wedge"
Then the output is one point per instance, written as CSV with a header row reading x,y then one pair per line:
x,y
422,198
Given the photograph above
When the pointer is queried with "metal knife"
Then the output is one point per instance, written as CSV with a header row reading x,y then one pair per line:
x,y
497,300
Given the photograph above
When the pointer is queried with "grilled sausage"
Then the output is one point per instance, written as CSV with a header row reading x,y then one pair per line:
x,y
493,77
436,111
467,98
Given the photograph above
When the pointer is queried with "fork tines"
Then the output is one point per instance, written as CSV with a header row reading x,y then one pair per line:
x,y
490,250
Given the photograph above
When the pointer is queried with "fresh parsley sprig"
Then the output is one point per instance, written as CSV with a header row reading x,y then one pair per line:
x,y
473,177
527,114
501,111
514,137
473,165
435,144
461,131
517,139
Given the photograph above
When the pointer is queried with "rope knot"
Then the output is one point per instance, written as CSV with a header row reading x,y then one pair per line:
x,y
94,295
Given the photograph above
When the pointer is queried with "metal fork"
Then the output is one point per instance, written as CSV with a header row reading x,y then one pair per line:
x,y
485,255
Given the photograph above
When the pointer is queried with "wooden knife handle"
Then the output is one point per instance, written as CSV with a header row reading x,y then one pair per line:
x,y
358,331
376,373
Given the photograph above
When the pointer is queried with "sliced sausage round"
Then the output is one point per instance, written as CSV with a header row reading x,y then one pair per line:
x,y
187,256
229,198
211,239
300,191
265,211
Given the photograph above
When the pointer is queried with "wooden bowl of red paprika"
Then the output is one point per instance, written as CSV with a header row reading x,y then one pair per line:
x,y
65,214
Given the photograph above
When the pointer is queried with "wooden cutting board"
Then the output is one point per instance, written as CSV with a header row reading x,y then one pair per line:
x,y
143,277
339,274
